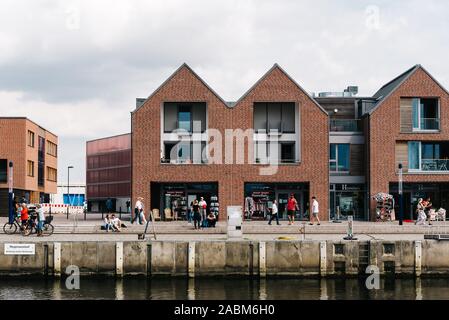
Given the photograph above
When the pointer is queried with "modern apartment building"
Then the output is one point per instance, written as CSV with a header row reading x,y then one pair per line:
x,y
409,124
33,151
108,172
268,144
343,148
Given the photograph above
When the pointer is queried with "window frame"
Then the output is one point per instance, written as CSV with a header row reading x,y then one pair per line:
x,y
29,162
31,139
55,173
336,160
419,128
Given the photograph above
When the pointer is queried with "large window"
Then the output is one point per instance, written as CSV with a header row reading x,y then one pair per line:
x,y
52,174
190,117
30,138
185,118
3,170
425,114
278,152
428,156
339,158
30,168
185,152
272,117
52,149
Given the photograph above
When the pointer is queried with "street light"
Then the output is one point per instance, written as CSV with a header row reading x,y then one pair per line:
x,y
401,213
68,188
11,194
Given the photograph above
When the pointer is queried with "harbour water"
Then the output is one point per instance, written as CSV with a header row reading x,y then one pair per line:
x,y
12,288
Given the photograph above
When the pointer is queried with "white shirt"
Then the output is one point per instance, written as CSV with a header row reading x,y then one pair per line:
x,y
202,203
315,207
139,205
116,221
274,208
40,214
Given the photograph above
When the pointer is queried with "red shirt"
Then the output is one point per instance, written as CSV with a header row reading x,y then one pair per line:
x,y
24,214
291,204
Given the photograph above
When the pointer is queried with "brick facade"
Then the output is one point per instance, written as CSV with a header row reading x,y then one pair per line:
x,y
14,147
186,86
384,131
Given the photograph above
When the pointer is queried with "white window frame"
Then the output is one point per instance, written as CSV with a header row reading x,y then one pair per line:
x,y
419,129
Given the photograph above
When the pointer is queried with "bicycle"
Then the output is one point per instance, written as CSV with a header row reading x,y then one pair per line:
x,y
11,228
31,226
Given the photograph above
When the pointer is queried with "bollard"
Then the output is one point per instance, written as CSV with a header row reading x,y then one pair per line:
x,y
350,235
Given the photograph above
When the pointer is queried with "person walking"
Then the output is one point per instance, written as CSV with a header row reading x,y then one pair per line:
x,y
40,220
315,211
421,219
128,206
203,211
196,215
137,209
292,206
274,213
427,207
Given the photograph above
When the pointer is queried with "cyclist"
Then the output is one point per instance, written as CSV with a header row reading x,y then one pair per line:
x,y
24,215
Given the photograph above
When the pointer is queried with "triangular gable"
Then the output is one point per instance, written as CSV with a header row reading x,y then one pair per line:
x,y
183,66
388,89
277,67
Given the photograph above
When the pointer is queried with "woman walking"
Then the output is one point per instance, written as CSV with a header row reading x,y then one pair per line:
x,y
196,215
420,211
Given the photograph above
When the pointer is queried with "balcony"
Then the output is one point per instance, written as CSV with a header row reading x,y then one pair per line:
x,y
434,164
345,125
429,124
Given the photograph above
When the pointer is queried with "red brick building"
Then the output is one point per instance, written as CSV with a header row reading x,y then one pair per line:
x,y
289,124
409,124
33,151
339,147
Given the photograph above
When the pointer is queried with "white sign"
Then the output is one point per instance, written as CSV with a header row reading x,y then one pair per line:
x,y
20,249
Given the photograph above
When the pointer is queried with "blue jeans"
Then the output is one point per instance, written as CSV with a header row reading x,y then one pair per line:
x,y
40,225
189,216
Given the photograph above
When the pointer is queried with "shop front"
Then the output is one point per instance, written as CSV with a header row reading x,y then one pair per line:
x,y
437,192
259,199
177,197
348,200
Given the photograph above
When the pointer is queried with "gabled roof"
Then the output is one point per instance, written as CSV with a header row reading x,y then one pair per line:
x,y
274,67
389,88
184,65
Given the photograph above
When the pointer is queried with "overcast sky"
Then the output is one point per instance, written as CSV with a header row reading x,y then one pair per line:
x,y
76,67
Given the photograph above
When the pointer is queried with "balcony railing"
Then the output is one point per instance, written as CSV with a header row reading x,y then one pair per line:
x,y
430,124
434,164
345,125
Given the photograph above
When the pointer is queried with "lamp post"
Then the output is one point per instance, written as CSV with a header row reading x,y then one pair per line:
x,y
401,207
68,189
10,194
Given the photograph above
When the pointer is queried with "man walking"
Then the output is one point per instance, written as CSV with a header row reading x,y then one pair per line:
x,y
128,206
292,205
315,211
274,213
203,207
137,209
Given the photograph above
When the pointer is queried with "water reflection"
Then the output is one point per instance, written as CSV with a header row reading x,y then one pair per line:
x,y
225,289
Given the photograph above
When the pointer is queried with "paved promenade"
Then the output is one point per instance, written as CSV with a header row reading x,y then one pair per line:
x,y
77,229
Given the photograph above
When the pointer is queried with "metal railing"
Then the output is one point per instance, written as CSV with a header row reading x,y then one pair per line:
x,y
430,124
345,125
434,164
